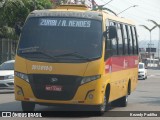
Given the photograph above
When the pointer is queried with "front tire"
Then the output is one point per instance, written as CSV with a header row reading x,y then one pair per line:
x,y
146,76
27,106
102,108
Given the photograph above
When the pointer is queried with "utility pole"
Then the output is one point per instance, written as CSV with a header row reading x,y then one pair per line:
x,y
150,30
127,9
158,25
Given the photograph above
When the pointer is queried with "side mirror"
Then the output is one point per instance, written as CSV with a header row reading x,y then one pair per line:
x,y
112,32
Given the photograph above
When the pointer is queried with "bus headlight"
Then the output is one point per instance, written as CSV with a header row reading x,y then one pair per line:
x,y
89,79
22,76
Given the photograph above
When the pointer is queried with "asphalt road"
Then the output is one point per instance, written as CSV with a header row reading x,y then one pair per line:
x,y
145,98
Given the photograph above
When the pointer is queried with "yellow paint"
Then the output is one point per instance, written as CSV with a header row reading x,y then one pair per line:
x,y
117,80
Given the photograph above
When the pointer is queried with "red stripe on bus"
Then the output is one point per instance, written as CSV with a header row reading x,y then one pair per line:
x,y
119,63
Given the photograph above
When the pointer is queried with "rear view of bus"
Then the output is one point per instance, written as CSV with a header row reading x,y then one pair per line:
x,y
60,60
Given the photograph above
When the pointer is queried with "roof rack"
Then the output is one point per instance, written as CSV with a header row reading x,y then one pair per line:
x,y
73,6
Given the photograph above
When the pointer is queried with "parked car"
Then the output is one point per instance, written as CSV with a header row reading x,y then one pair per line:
x,y
142,71
7,75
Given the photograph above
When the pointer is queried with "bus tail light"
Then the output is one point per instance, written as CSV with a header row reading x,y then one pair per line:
x,y
22,76
89,79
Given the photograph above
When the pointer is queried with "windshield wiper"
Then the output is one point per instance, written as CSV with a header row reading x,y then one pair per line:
x,y
43,53
75,54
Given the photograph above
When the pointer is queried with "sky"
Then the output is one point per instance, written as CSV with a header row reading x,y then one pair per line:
x,y
146,9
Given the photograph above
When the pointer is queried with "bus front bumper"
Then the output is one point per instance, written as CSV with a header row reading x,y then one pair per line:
x,y
86,94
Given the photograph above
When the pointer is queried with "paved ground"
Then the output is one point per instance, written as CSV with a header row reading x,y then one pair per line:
x,y
145,98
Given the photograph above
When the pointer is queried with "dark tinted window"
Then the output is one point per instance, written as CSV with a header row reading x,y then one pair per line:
x,y
114,42
108,48
133,39
136,40
130,40
120,40
125,39
58,36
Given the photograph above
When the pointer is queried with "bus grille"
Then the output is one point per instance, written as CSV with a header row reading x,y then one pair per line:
x,y
69,84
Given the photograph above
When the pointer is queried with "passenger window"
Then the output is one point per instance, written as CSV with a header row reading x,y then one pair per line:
x,y
133,40
108,51
130,40
120,40
111,44
108,45
136,41
114,42
125,35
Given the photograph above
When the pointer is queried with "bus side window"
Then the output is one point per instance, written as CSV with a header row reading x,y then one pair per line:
x,y
114,42
136,41
126,44
129,37
108,51
111,45
120,40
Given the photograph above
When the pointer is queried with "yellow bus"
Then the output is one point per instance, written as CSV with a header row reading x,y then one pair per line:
x,y
75,56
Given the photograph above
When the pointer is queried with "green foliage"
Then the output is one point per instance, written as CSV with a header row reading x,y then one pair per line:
x,y
37,4
8,32
1,13
14,12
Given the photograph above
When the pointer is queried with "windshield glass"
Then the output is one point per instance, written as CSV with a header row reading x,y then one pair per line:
x,y
7,66
141,66
60,38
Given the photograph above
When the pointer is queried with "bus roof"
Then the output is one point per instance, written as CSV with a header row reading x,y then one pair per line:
x,y
69,13
117,18
80,11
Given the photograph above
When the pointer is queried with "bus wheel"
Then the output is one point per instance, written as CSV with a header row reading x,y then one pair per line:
x,y
104,104
27,106
121,102
102,108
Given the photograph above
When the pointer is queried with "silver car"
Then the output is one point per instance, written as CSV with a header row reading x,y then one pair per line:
x,y
7,75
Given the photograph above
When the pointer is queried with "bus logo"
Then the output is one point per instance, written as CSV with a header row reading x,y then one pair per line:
x,y
42,68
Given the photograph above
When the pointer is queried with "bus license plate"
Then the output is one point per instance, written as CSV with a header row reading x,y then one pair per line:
x,y
53,88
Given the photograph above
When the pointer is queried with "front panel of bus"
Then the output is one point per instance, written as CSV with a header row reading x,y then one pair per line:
x,y
59,60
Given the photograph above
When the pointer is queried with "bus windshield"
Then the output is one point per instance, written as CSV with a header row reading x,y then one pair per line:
x,y
63,39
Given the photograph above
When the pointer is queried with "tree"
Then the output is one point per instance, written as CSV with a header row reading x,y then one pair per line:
x,y
14,12
12,17
38,4
59,2
5,31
